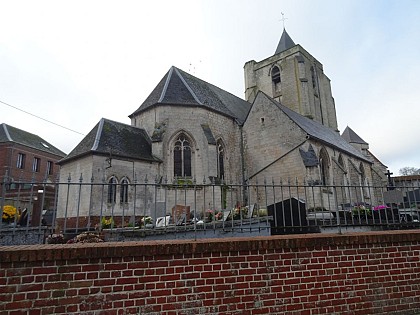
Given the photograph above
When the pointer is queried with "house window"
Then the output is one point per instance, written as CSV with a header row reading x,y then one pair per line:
x,y
36,164
49,167
275,75
182,157
21,161
220,159
112,190
124,191
324,166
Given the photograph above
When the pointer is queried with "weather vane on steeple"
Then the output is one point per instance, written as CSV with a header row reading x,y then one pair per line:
x,y
283,19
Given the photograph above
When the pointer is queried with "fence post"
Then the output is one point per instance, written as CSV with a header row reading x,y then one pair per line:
x,y
337,212
3,196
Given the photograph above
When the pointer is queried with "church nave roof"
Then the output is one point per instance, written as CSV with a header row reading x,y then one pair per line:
x,y
114,139
316,130
180,88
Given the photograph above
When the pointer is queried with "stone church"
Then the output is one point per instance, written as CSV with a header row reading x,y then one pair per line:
x,y
189,131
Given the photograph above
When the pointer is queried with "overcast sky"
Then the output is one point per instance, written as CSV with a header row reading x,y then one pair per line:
x,y
74,62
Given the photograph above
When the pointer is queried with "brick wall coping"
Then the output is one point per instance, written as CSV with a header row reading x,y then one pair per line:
x,y
49,252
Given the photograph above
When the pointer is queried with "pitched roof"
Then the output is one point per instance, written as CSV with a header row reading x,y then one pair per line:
x,y
180,88
116,139
351,137
285,42
12,134
318,131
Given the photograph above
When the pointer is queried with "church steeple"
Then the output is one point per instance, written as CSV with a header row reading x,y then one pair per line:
x,y
293,77
285,42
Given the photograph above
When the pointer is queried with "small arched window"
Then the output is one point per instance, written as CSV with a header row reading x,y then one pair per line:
x,y
124,191
275,75
324,164
112,190
182,156
220,159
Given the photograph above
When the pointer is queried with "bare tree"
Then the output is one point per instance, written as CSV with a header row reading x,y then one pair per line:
x,y
408,170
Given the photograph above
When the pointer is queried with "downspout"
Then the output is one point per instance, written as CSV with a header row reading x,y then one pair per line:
x,y
244,191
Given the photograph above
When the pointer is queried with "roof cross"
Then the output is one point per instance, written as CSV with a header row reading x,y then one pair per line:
x,y
390,183
283,19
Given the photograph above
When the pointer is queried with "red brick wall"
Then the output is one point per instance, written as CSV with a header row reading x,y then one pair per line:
x,y
364,273
8,159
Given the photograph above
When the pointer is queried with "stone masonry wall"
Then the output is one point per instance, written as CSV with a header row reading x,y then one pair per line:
x,y
296,89
365,273
190,120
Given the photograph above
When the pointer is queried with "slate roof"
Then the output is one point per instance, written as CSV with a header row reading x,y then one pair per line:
x,y
351,137
12,134
318,131
285,42
116,139
180,88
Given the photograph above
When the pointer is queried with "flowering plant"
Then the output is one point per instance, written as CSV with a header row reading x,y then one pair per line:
x,y
380,207
362,210
238,213
146,220
218,215
209,215
212,215
107,223
9,214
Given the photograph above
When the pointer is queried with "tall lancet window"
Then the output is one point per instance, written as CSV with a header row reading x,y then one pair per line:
x,y
182,156
363,179
220,159
112,190
124,191
314,80
324,165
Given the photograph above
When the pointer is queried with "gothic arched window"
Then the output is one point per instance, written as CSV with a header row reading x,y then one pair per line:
x,y
324,165
182,156
112,190
220,159
313,77
124,191
275,75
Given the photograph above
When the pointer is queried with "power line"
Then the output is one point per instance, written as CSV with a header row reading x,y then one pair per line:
x,y
24,111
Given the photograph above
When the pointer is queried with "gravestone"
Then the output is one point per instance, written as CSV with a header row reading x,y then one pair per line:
x,y
180,214
158,210
289,217
393,196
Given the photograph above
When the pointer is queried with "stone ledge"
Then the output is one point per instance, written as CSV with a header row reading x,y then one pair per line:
x,y
49,252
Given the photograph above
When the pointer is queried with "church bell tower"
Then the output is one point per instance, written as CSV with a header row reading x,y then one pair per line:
x,y
293,77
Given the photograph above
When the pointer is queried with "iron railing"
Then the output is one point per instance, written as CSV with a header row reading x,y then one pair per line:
x,y
184,208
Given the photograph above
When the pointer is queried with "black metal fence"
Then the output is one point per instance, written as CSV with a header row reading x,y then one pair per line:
x,y
183,208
